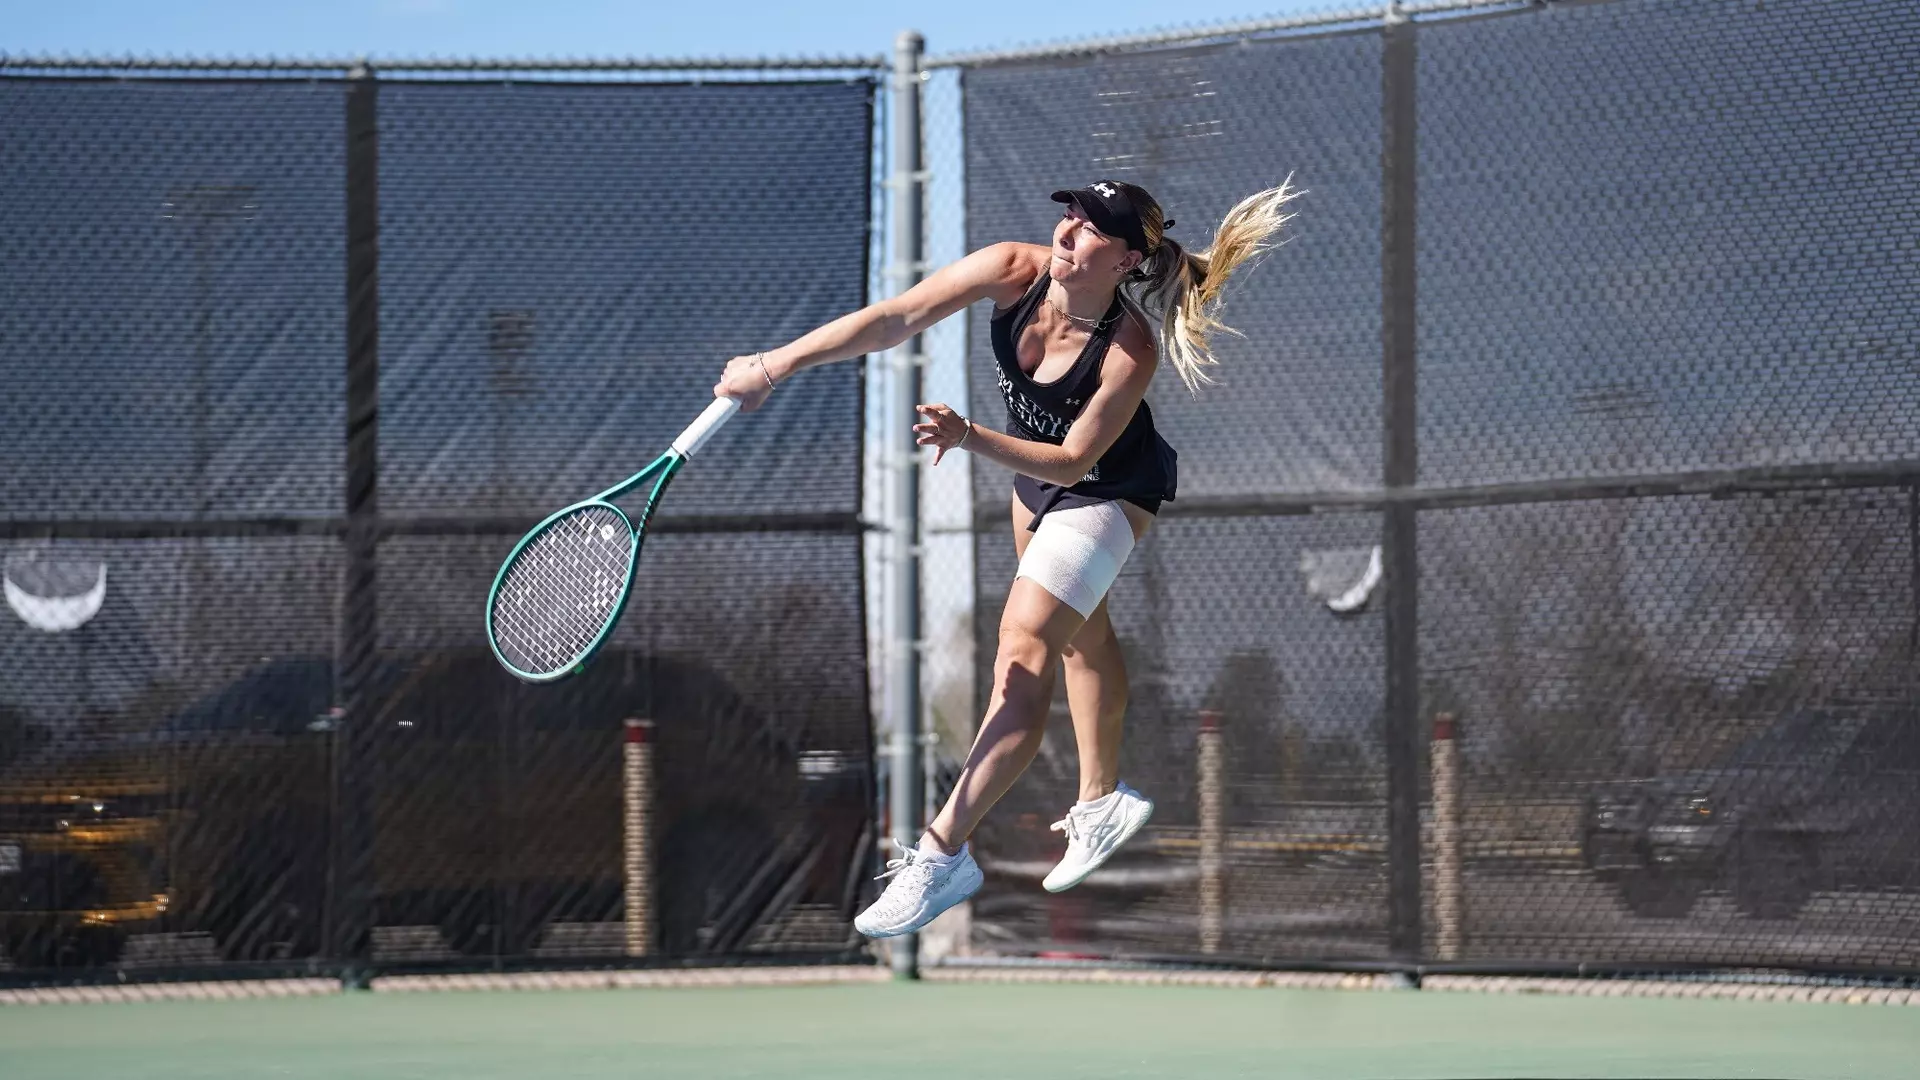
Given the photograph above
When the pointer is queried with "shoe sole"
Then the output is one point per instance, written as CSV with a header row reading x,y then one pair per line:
x,y
979,878
1117,844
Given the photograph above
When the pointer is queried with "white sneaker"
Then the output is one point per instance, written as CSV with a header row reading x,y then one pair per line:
x,y
1095,830
925,883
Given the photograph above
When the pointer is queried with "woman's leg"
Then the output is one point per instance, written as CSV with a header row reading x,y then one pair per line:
x,y
939,872
1095,672
1108,812
1034,628
1096,676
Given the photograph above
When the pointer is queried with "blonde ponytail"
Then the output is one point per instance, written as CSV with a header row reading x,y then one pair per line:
x,y
1183,288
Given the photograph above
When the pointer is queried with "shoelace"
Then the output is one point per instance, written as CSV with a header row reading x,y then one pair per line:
x,y
1073,826
1070,825
909,858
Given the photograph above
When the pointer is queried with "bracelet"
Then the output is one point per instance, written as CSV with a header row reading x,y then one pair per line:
x,y
964,434
761,359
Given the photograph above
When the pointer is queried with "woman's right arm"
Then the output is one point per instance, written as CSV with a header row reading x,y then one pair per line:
x,y
1000,272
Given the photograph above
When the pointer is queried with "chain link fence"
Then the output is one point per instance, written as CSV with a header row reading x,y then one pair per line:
x,y
293,360
1541,589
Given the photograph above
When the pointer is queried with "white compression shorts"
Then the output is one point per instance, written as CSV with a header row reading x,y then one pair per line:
x,y
1077,552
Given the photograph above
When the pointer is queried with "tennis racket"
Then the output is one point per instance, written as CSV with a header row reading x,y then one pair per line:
x,y
562,589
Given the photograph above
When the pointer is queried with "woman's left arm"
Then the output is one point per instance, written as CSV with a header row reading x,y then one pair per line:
x,y
1123,385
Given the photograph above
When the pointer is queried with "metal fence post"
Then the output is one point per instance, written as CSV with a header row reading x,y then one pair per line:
x,y
903,461
1398,169
349,930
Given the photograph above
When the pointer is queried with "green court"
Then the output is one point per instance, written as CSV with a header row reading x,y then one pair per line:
x,y
973,1030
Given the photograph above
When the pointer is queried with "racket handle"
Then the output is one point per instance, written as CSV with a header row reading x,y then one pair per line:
x,y
697,433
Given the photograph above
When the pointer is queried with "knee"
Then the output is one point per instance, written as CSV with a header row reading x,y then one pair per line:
x,y
1023,663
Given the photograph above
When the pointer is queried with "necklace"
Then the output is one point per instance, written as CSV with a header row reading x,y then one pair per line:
x,y
1094,324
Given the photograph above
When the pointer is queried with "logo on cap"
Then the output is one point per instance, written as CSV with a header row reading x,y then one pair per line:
x,y
1105,190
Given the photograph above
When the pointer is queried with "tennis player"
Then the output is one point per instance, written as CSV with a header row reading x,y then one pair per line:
x,y
1079,329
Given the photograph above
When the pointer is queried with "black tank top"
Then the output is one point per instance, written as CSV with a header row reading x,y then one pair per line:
x,y
1139,467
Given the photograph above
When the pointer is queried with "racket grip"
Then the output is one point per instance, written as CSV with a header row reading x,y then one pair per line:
x,y
697,433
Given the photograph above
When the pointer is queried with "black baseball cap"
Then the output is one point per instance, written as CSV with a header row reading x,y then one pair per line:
x,y
1114,208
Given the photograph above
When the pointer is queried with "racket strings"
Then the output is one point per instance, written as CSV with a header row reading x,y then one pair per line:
x,y
562,590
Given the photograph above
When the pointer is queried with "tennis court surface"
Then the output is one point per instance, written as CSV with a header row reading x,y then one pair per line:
x,y
928,1031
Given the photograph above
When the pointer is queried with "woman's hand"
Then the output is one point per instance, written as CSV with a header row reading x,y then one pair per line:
x,y
943,429
747,381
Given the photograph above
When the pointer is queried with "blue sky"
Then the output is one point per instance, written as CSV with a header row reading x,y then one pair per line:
x,y
523,28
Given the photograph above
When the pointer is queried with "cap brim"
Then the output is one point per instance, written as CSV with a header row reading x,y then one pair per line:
x,y
1103,217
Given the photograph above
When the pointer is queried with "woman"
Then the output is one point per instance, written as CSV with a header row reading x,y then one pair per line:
x,y
1076,353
